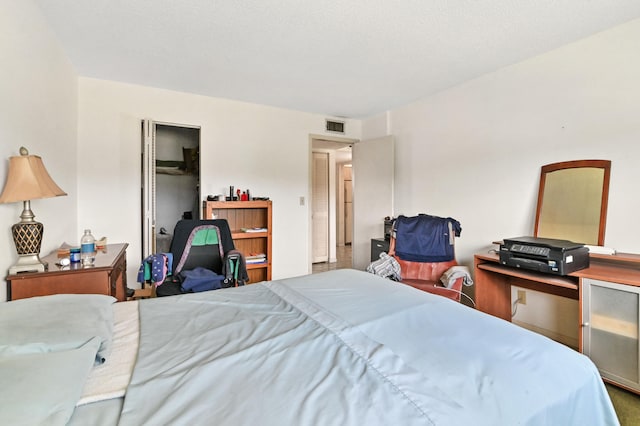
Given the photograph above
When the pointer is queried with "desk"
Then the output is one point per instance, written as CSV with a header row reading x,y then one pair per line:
x,y
493,284
608,295
108,276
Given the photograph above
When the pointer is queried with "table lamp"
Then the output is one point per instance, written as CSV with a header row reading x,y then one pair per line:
x,y
28,180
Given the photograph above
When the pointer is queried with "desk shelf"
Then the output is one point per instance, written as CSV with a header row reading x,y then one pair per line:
x,y
554,280
613,325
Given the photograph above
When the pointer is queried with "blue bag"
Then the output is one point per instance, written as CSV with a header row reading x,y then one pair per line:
x,y
200,279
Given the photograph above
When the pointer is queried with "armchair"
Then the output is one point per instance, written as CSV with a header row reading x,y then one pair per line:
x,y
423,262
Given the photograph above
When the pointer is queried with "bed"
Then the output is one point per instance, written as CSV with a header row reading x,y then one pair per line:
x,y
338,348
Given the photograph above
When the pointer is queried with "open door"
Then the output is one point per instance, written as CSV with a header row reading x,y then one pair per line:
x,y
373,177
170,181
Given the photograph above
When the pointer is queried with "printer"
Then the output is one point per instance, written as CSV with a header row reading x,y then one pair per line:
x,y
558,257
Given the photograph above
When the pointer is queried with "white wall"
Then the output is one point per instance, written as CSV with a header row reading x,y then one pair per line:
x,y
38,110
251,146
474,152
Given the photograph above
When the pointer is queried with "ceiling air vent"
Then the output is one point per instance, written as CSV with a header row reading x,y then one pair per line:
x,y
335,126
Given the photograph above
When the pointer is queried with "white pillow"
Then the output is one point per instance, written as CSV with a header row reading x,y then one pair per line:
x,y
58,322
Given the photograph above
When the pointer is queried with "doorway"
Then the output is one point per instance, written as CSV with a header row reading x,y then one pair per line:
x,y
331,207
170,181
372,185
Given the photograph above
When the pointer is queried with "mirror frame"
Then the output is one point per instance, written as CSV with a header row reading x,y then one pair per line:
x,y
600,164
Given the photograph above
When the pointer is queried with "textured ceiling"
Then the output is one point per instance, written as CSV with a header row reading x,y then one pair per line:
x,y
346,58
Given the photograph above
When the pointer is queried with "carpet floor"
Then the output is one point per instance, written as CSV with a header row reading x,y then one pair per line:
x,y
627,405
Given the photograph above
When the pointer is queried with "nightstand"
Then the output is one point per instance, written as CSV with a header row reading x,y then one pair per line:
x,y
107,276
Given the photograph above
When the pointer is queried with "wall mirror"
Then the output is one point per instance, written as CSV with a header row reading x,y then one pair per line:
x,y
572,201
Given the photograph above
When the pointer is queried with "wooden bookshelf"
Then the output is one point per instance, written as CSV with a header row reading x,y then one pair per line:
x,y
247,215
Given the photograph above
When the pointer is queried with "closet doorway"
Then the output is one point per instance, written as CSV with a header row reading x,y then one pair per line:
x,y
170,181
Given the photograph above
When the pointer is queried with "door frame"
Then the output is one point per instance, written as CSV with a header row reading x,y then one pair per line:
x,y
332,198
326,206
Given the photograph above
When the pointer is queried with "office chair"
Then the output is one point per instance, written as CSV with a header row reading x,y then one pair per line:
x,y
201,251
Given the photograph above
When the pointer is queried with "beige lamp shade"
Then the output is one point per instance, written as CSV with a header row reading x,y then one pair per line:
x,y
28,180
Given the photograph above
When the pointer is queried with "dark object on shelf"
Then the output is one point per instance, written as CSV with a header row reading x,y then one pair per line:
x,y
378,246
170,163
191,159
388,227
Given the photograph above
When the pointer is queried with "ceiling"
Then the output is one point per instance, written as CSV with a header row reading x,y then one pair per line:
x,y
343,58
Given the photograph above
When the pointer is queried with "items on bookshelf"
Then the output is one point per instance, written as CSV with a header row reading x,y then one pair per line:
x,y
237,195
189,165
254,258
258,229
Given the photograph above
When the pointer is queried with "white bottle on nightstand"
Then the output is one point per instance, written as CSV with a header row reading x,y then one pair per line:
x,y
87,248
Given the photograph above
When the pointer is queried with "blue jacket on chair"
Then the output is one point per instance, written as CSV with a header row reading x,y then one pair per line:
x,y
426,238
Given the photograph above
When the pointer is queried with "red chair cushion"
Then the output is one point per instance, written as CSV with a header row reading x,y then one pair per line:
x,y
452,293
425,276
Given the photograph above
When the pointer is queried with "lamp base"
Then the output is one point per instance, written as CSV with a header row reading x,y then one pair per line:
x,y
28,263
27,236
